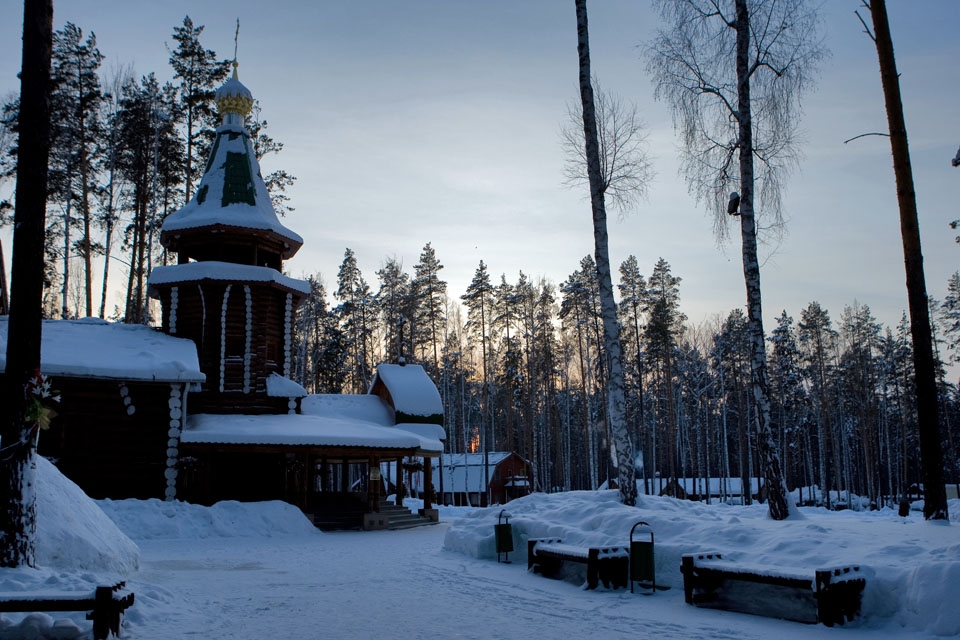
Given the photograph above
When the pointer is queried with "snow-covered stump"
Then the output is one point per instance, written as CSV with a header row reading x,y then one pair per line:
x,y
829,595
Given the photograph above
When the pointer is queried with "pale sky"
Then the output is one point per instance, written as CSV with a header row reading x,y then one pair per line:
x,y
437,121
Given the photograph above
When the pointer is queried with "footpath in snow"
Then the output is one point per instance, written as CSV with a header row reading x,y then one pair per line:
x,y
261,570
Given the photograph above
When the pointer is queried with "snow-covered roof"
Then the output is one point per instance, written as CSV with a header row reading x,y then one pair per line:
x,y
95,348
232,191
295,429
732,486
411,389
214,270
365,408
280,387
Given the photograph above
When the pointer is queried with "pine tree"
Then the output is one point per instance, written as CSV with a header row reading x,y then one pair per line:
x,y
818,340
17,482
357,314
263,145
199,73
788,400
429,293
633,290
395,304
479,302
78,98
661,304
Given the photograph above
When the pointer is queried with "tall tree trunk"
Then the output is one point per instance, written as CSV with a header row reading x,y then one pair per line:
x,y
773,474
17,464
65,290
611,333
935,496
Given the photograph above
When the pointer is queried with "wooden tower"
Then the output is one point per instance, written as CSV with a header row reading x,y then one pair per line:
x,y
228,293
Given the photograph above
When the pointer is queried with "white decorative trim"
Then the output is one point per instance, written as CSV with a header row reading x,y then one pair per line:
x,y
176,405
223,334
174,301
248,329
287,333
127,400
203,313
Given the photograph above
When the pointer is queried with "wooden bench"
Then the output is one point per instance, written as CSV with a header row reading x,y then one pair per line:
x,y
604,564
105,606
830,596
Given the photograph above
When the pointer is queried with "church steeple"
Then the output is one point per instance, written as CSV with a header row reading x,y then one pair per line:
x,y
232,206
228,292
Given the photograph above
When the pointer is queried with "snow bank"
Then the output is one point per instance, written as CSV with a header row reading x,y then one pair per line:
x,y
158,520
73,533
78,549
912,566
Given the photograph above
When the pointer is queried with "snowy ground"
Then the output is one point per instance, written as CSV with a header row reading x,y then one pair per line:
x,y
261,570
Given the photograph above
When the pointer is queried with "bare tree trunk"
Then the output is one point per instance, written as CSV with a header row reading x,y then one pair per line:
x,y
17,456
611,333
935,496
773,474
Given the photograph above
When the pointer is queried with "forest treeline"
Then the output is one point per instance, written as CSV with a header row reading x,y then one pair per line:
x,y
520,364
520,367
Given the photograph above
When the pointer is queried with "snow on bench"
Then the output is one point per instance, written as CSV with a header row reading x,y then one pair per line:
x,y
105,605
828,595
604,564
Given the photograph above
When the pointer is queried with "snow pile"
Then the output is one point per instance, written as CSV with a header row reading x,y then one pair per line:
x,y
73,533
78,549
912,566
158,520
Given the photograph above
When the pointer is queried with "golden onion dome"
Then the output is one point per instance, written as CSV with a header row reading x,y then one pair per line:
x,y
233,96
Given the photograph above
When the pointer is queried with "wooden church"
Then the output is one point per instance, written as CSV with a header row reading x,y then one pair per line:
x,y
248,434
225,421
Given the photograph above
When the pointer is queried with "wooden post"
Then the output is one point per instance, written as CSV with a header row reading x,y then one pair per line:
x,y
427,482
399,482
373,484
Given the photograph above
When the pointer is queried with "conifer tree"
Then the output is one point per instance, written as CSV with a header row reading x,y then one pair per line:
x,y
479,302
429,293
357,316
199,74
77,99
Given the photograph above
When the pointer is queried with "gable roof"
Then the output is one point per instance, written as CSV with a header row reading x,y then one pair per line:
x,y
95,348
411,391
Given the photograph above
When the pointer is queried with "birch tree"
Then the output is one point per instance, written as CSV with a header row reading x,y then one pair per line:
x,y
616,412
733,72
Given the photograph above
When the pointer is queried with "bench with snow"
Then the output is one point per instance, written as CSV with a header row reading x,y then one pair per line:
x,y
828,595
604,564
105,606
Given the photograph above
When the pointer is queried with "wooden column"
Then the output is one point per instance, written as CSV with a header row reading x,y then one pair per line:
x,y
427,482
399,482
373,484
